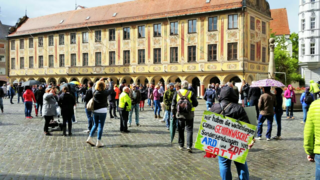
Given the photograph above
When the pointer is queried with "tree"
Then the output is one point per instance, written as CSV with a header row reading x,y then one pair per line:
x,y
283,61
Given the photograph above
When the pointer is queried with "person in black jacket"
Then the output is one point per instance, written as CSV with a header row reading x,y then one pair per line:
x,y
278,111
87,97
135,102
112,103
100,97
1,99
229,103
244,91
83,92
66,103
20,93
254,96
144,96
39,98
209,97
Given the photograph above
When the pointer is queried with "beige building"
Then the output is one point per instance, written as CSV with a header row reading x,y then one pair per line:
x,y
202,41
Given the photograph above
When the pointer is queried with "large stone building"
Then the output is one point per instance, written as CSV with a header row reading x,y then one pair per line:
x,y
309,39
140,41
4,53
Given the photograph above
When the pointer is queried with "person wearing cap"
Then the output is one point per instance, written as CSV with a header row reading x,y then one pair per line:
x,y
168,96
209,97
135,103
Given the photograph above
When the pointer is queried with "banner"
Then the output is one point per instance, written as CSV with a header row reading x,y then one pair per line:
x,y
225,137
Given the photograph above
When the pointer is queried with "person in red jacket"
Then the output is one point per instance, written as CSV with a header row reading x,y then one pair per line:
x,y
28,96
117,90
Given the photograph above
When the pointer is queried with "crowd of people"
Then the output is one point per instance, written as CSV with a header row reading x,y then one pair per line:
x,y
177,101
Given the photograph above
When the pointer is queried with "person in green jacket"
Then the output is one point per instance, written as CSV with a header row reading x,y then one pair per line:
x,y
124,109
314,89
168,96
312,136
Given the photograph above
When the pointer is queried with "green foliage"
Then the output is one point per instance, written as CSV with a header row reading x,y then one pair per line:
x,y
285,63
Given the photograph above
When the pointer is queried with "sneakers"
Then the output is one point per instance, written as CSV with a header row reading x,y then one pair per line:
x,y
181,148
161,120
268,139
87,131
129,125
189,149
277,138
292,117
89,141
99,144
259,138
302,122
74,121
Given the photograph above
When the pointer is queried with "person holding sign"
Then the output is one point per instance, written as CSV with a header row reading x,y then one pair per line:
x,y
182,107
229,107
266,105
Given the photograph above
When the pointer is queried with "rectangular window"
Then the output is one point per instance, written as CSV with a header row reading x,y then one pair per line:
x,y
112,58
313,23
192,54
85,37
213,23
40,41
61,39
85,61
212,52
30,42
264,29
61,60
157,30
126,57
51,63
252,23
252,52
73,38
2,59
50,42
126,33
31,62
13,47
232,51
157,56
73,60
112,34
174,28
233,21
303,49
264,54
97,35
21,43
40,61
141,32
21,63
98,58
303,24
192,26
141,56
312,48
174,54
13,63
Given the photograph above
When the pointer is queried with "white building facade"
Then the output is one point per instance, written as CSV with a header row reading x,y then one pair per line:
x,y
309,39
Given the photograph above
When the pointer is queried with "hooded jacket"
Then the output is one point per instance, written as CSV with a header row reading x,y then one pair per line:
x,y
209,95
314,87
39,95
303,96
279,100
28,96
311,134
234,110
289,94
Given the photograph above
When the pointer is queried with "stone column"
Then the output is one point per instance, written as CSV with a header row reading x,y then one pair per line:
x,y
272,66
201,90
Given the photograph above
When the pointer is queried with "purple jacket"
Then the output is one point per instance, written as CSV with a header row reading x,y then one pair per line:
x,y
288,93
156,94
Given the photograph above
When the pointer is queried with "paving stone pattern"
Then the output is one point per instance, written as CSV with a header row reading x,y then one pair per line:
x,y
145,153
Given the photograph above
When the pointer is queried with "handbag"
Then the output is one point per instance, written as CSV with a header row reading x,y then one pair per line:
x,y
90,104
288,102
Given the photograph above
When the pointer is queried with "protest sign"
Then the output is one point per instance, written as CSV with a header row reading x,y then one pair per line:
x,y
224,136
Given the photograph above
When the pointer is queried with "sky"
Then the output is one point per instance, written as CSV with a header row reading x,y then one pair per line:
x,y
12,10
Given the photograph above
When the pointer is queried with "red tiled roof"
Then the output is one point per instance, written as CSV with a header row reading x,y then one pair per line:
x,y
126,12
279,24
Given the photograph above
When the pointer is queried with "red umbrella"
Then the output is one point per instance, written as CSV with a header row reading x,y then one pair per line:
x,y
35,108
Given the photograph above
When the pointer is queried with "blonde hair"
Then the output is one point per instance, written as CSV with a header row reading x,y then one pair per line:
x,y
48,90
157,86
100,86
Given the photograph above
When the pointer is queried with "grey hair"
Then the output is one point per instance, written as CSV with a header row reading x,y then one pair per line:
x,y
168,86
228,83
125,88
184,84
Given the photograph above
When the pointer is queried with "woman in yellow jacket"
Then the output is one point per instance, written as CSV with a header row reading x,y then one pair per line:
x,y
124,108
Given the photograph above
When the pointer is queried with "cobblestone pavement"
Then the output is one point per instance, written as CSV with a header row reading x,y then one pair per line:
x,y
145,153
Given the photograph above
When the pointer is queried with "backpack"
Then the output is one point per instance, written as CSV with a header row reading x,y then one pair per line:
x,y
308,99
183,105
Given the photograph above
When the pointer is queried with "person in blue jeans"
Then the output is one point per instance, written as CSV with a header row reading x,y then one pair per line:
x,y
278,111
156,98
135,104
266,105
209,97
305,103
20,93
87,98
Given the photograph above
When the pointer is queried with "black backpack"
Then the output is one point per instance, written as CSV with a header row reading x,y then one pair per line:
x,y
184,106
308,99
